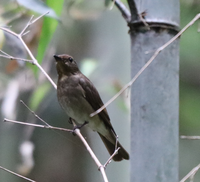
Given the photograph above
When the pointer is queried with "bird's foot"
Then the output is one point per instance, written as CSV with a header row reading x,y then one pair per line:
x,y
78,127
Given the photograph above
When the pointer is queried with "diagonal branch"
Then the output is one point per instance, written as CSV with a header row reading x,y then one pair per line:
x,y
35,114
122,8
191,173
19,36
147,64
100,166
16,174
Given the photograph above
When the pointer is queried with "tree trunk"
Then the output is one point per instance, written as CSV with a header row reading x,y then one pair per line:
x,y
155,95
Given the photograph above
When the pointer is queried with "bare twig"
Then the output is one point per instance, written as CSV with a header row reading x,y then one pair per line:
x,y
27,25
122,8
39,17
142,18
190,137
5,55
19,36
146,65
37,125
100,166
110,158
25,33
31,22
191,173
16,174
35,114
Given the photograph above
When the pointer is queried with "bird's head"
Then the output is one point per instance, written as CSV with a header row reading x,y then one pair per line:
x,y
65,65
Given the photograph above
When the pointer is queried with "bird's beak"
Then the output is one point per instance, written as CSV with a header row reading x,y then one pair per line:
x,y
57,58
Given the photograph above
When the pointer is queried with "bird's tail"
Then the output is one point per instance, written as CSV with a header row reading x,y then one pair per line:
x,y
122,153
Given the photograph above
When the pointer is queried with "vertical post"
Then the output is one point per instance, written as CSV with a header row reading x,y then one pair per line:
x,y
155,95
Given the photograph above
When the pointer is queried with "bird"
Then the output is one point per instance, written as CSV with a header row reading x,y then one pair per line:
x,y
78,97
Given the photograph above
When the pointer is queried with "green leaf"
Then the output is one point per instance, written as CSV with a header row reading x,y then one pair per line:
x,y
48,29
38,6
38,95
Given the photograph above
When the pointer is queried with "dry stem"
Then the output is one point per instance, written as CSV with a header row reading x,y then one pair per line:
x,y
191,174
19,36
146,65
16,174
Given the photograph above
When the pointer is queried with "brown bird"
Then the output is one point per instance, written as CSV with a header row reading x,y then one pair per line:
x,y
79,98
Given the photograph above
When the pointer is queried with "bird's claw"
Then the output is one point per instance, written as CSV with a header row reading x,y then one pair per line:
x,y
78,127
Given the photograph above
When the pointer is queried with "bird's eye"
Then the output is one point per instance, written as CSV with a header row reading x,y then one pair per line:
x,y
70,59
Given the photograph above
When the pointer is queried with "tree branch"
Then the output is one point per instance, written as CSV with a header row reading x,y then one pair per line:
x,y
191,174
37,125
146,65
19,36
35,114
122,8
16,174
5,55
100,166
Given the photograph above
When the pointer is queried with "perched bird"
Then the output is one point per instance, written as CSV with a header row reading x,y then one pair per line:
x,y
79,98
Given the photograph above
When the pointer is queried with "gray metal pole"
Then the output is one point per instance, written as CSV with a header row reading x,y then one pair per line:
x,y
155,95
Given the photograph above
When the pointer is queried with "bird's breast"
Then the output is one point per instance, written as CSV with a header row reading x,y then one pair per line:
x,y
71,98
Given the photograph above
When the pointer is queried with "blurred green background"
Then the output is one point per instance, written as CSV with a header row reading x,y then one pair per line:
x,y
189,89
97,37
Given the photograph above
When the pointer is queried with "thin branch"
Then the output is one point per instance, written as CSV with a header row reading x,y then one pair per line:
x,y
4,53
191,173
32,22
37,125
110,158
19,36
35,114
13,58
142,18
39,17
100,166
16,174
190,137
27,25
146,65
9,31
122,8
36,63
25,33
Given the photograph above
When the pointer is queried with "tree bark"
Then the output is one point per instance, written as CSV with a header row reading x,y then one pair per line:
x,y
155,95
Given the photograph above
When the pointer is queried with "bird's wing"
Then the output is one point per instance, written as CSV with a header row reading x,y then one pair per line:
x,y
92,96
